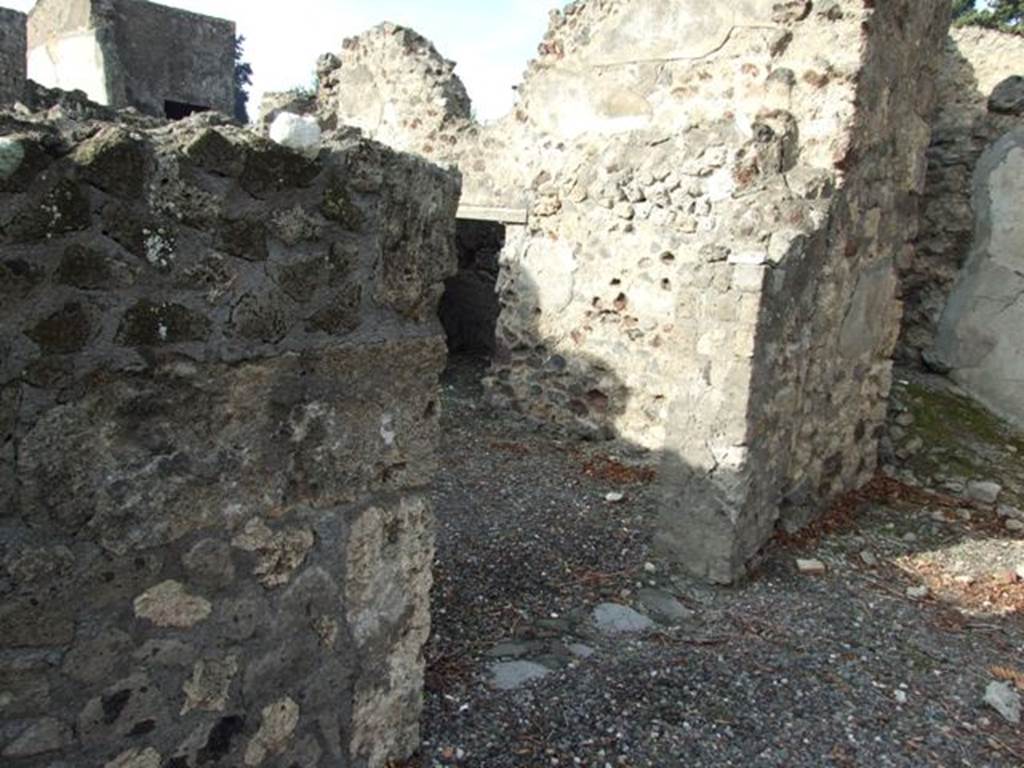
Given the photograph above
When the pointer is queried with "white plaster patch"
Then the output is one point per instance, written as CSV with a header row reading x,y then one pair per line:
x,y
551,271
71,62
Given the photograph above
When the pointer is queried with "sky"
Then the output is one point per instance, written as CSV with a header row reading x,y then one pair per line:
x,y
491,40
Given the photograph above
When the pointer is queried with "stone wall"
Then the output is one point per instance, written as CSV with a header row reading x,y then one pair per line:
x,y
964,127
717,196
218,418
980,337
963,286
130,53
12,55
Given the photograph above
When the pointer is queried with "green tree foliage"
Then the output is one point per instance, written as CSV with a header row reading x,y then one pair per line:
x,y
1006,15
243,79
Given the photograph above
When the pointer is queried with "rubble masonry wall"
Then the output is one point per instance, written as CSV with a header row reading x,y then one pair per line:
x,y
218,421
963,287
717,198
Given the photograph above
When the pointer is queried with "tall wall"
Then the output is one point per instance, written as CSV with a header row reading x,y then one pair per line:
x,y
132,53
976,61
717,196
218,419
12,55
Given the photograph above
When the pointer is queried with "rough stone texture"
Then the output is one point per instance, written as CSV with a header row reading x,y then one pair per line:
x,y
131,53
218,418
718,196
981,333
13,46
980,64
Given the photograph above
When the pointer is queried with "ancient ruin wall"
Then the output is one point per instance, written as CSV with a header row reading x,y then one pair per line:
x,y
129,53
964,127
218,418
13,42
717,198
981,334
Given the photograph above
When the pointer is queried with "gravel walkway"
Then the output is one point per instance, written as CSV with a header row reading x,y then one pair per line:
x,y
839,669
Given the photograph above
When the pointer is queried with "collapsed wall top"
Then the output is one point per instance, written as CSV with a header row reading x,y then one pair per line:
x,y
131,53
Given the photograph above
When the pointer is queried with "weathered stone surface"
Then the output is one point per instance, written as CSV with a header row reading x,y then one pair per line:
x,y
279,721
509,675
40,738
136,758
975,93
979,338
613,619
169,605
1008,97
278,553
13,47
389,547
218,421
207,689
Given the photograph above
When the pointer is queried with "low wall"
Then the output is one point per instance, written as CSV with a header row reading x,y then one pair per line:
x,y
218,419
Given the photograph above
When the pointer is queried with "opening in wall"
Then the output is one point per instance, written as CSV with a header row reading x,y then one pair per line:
x,y
469,308
179,110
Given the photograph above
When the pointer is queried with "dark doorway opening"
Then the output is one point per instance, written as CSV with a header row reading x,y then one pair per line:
x,y
179,110
469,308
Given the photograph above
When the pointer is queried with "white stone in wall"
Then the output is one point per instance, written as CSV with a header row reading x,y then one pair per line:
x,y
297,132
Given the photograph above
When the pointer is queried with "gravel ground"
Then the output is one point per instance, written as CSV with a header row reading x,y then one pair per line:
x,y
838,669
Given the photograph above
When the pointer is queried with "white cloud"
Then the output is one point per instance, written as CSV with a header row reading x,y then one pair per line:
x,y
490,39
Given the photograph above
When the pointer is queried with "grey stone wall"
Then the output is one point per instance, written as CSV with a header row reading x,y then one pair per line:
x,y
962,283
218,418
981,333
13,44
718,195
964,127
131,53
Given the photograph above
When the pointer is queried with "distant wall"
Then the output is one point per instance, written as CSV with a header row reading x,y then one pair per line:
x,y
132,53
964,128
218,424
13,46
716,196
981,333
166,53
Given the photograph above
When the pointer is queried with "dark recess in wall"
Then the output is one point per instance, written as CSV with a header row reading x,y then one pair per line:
x,y
469,309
